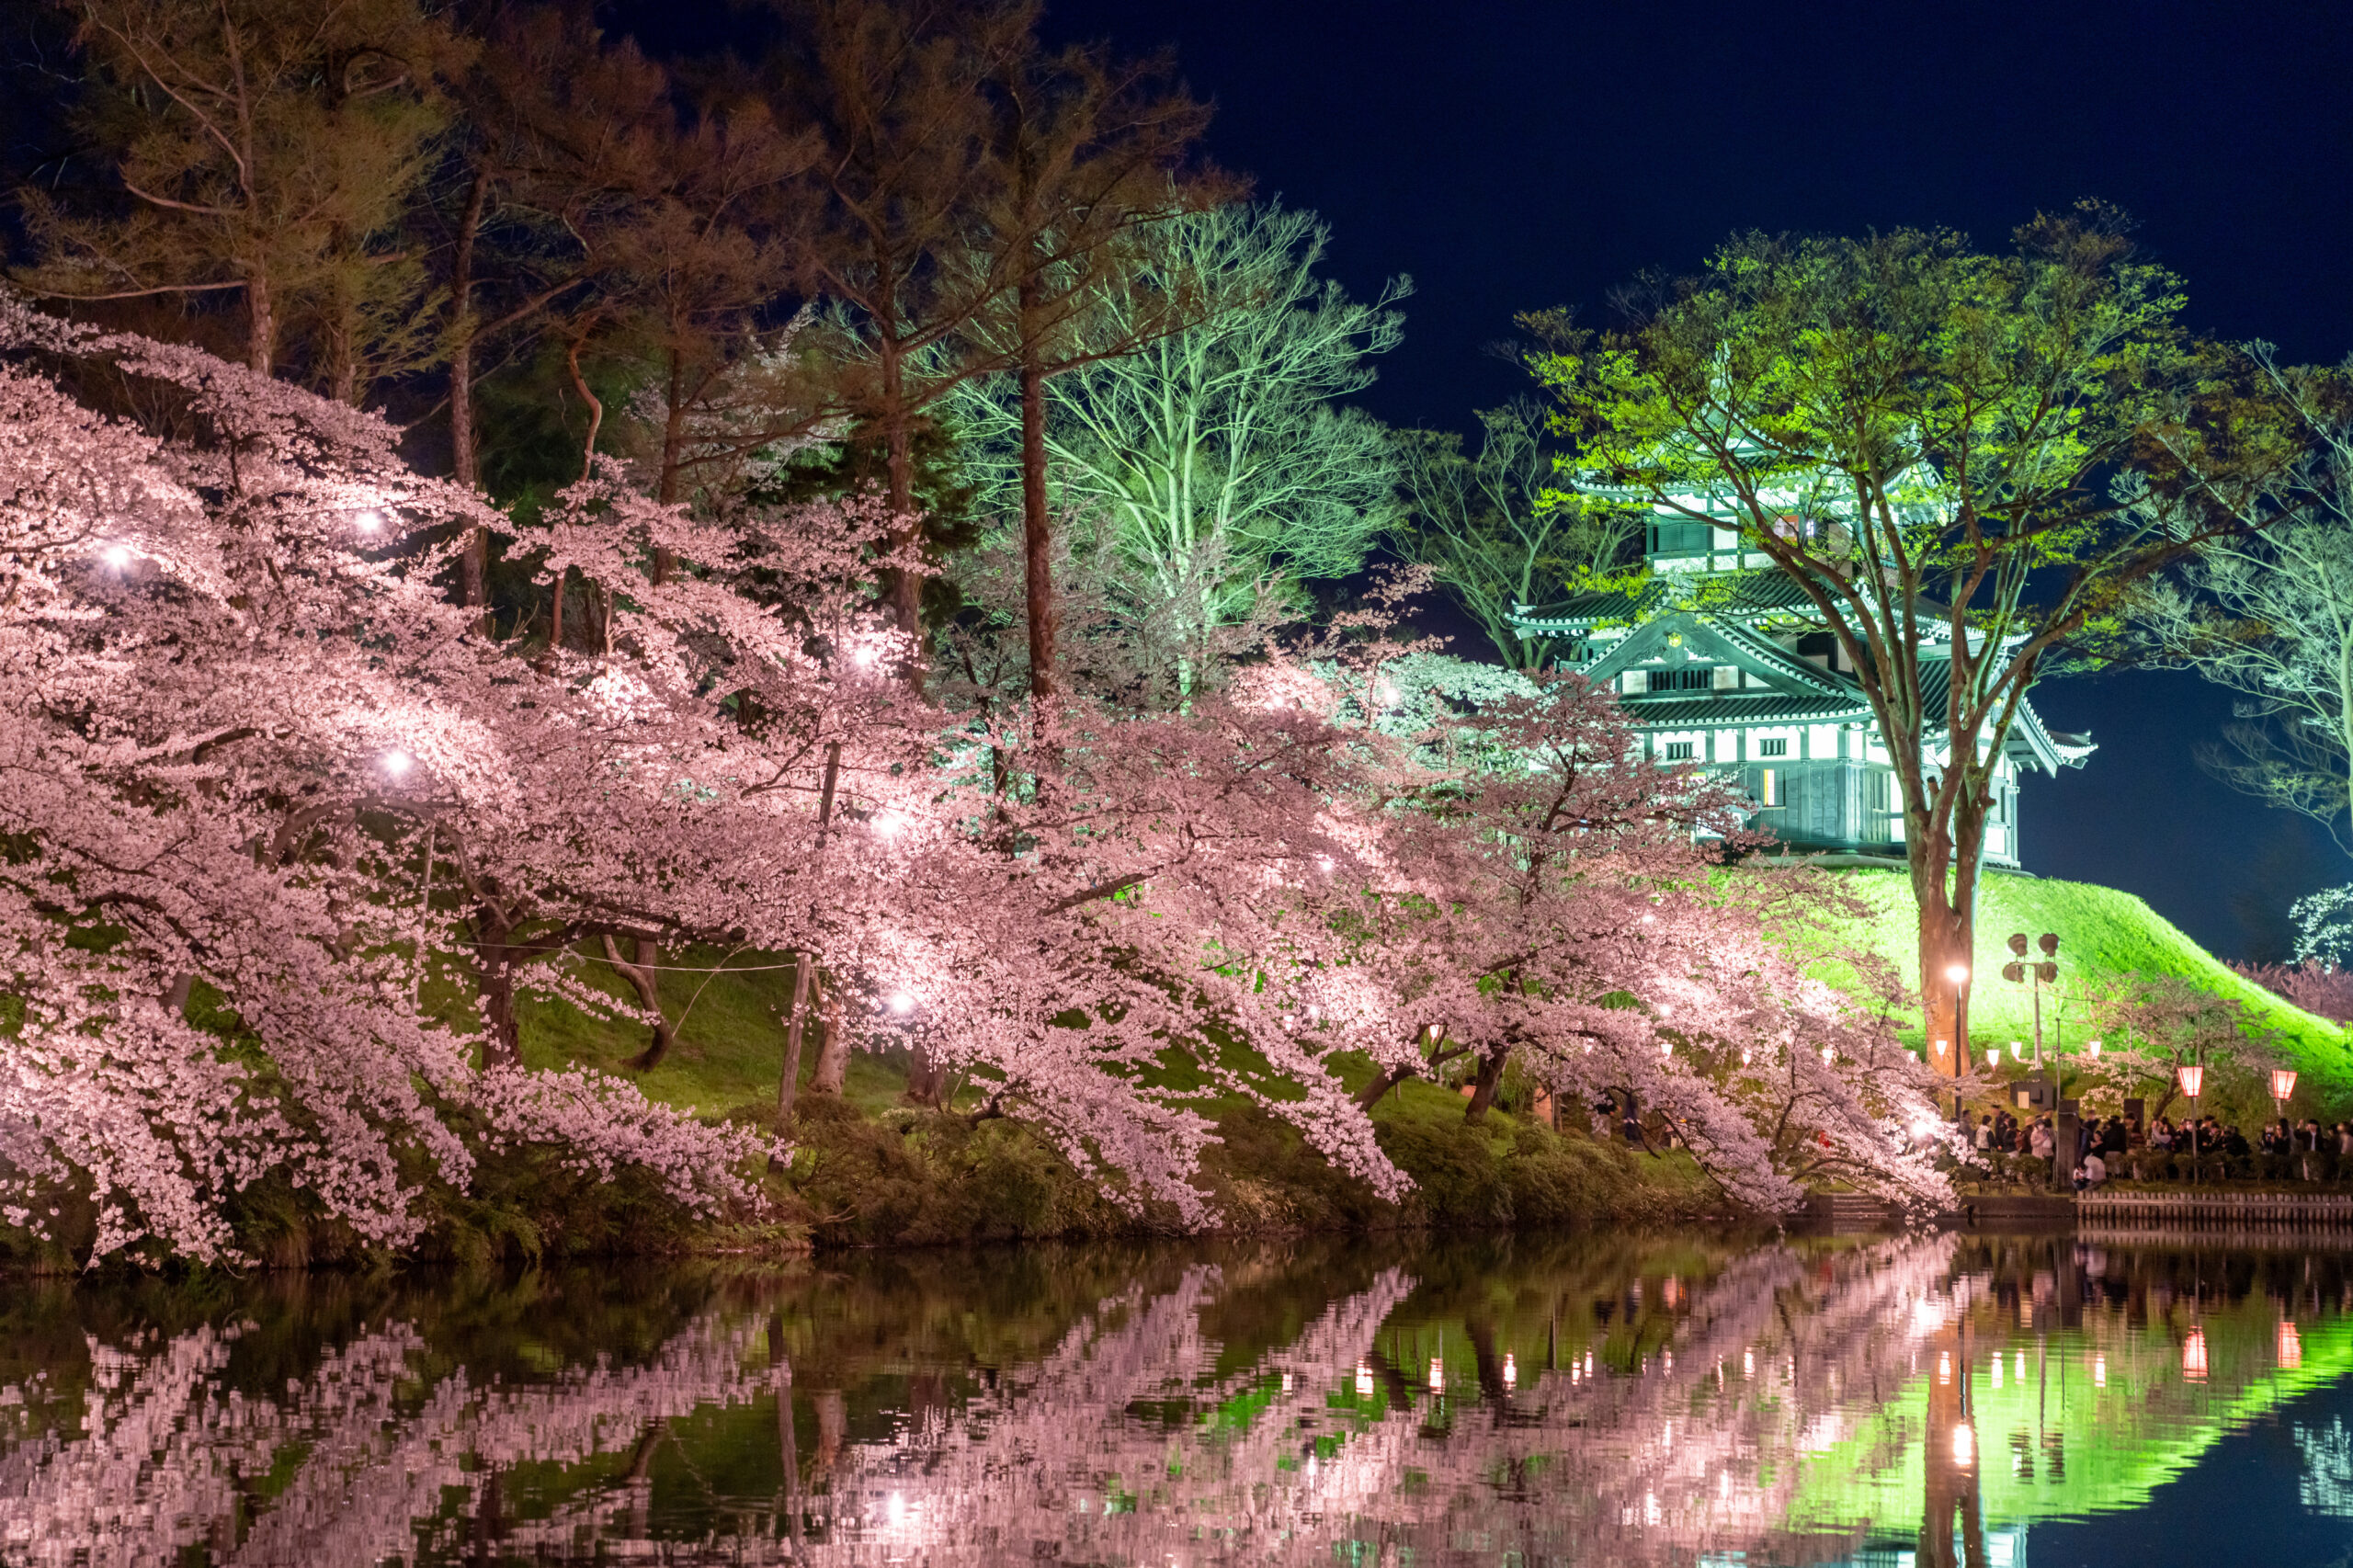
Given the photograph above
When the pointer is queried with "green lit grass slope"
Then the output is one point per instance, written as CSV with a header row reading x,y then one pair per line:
x,y
2102,933
872,1170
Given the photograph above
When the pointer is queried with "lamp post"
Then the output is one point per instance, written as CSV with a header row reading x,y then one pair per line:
x,y
2193,1078
2038,974
2283,1084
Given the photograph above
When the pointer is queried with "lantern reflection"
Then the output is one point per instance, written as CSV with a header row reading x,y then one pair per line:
x,y
2291,1345
2193,1357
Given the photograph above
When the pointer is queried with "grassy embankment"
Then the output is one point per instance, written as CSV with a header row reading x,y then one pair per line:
x,y
871,1170
2103,935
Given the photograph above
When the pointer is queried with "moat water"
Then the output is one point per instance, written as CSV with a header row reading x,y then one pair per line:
x,y
1687,1398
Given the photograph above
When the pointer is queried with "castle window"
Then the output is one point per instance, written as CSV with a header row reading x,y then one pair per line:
x,y
1776,746
1678,750
1700,677
1768,788
1681,539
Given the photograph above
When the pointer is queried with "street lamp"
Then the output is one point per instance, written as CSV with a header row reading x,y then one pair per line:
x,y
2045,972
2193,1078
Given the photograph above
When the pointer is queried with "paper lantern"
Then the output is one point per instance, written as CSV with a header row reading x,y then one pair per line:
x,y
2193,1078
2284,1082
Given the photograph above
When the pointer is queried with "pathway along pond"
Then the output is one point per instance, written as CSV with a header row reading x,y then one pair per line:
x,y
1681,1398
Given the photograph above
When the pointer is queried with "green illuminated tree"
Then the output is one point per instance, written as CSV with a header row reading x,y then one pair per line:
x,y
1216,463
1923,438
2270,615
1484,526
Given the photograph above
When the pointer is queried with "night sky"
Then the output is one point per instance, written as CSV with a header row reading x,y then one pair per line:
x,y
1509,156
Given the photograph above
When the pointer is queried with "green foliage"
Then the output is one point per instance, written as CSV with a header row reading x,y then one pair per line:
x,y
1497,532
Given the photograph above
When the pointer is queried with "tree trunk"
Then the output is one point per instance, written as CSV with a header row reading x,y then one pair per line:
x,y
503,1047
788,1449
1944,887
788,1082
832,1055
261,322
1490,1079
833,1428
555,612
1037,534
1382,1081
804,963
673,440
1952,1462
465,458
596,408
926,1077
644,978
904,589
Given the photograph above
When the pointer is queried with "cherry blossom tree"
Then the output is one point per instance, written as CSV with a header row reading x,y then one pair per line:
x,y
222,682
1545,896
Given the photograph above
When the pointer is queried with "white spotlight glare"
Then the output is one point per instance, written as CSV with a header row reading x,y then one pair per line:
x,y
396,762
369,521
118,556
901,1003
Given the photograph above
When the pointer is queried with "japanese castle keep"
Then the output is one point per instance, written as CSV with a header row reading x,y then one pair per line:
x,y
1715,658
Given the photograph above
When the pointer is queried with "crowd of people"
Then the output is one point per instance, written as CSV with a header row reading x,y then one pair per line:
x,y
2307,1150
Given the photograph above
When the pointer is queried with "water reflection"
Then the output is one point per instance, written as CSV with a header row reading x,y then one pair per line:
x,y
1678,1398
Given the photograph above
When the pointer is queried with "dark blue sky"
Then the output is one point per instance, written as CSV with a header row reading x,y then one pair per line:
x,y
1514,155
